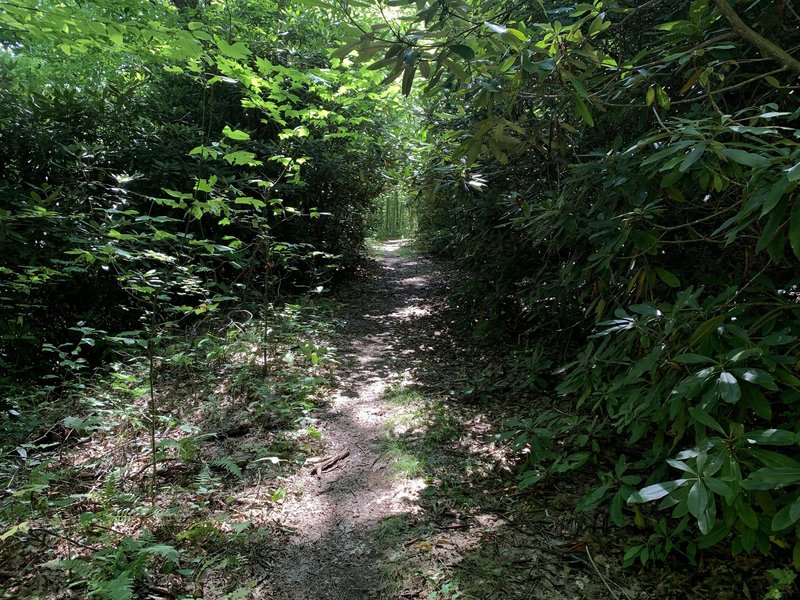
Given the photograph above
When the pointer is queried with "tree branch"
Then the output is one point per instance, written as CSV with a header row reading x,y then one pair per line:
x,y
763,44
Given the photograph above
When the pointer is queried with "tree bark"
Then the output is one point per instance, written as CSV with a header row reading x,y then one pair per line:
x,y
766,47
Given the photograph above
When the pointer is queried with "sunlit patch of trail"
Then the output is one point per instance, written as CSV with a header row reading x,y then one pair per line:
x,y
331,515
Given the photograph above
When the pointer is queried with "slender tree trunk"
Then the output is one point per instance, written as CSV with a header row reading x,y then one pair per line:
x,y
153,410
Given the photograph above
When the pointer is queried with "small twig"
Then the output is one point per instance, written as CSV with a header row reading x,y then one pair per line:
x,y
454,526
329,463
603,578
767,47
63,537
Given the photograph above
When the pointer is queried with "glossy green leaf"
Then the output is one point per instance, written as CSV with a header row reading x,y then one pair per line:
x,y
697,501
728,388
783,518
237,50
463,51
772,478
668,278
656,491
794,229
773,437
701,416
745,158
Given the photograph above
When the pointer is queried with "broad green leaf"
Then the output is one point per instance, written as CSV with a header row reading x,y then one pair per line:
x,y
745,158
770,478
719,487
746,513
380,64
656,491
757,402
717,533
18,528
773,460
705,328
693,359
773,437
728,388
240,157
517,34
408,78
692,157
783,518
583,110
701,416
794,229
235,134
705,521
115,35
668,278
757,376
463,51
237,50
662,97
650,96
680,465
697,500
345,50
615,509
598,25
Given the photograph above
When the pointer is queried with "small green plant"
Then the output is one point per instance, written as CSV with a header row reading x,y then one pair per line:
x,y
557,443
111,572
615,489
403,463
782,584
665,538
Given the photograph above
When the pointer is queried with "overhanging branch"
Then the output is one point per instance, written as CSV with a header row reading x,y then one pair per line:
x,y
767,47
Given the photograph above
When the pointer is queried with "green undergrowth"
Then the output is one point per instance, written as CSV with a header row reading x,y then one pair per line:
x,y
81,509
433,439
416,432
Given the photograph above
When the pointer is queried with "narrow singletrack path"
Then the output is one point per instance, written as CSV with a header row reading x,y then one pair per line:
x,y
412,495
336,503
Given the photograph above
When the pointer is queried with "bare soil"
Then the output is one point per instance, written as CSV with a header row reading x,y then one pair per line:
x,y
407,499
414,497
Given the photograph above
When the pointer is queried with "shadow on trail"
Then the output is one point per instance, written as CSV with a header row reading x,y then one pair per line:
x,y
424,505
417,509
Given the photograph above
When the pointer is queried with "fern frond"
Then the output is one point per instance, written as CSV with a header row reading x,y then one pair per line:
x,y
120,588
168,553
205,480
228,465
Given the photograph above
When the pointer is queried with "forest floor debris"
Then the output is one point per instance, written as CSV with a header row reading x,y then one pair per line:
x,y
385,479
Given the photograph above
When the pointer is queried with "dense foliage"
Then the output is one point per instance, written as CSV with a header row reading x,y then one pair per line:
x,y
161,156
170,174
619,181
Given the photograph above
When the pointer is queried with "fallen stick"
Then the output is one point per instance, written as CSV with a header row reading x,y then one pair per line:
x,y
330,463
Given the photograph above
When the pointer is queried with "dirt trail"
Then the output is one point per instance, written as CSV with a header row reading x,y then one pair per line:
x,y
453,524
333,512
